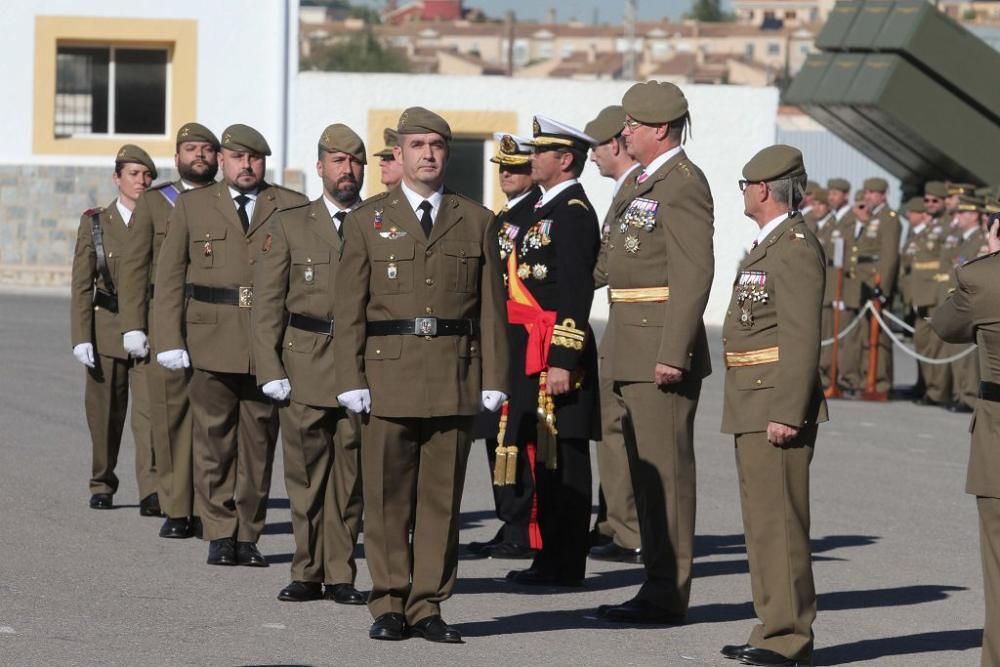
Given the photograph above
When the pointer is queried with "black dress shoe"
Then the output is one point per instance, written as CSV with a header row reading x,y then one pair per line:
x,y
510,551
959,407
925,400
761,656
616,554
248,554
391,626
301,591
101,501
177,529
478,548
597,539
734,651
638,611
150,506
434,629
222,552
535,577
196,527
344,594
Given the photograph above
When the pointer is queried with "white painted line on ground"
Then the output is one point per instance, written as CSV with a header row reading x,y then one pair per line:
x,y
273,626
7,630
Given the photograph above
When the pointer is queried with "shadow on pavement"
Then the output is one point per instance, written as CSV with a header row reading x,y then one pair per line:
x,y
545,621
720,568
711,545
925,642
599,581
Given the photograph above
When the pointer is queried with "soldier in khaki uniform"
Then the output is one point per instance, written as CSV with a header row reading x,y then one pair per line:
x,y
197,164
919,266
204,291
617,523
965,242
849,302
824,225
660,265
876,265
294,361
773,403
96,335
422,344
390,170
972,315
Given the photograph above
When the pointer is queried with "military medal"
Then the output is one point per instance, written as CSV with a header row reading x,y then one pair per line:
x,y
539,271
267,244
632,244
523,271
307,274
537,237
393,233
751,288
377,222
506,237
390,271
207,248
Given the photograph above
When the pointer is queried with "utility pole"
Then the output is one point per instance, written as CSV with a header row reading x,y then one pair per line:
x,y
510,42
629,65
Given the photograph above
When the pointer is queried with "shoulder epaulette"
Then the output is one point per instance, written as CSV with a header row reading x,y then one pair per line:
x,y
160,186
97,210
981,257
371,200
578,202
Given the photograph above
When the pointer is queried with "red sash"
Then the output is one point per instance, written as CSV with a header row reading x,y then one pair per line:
x,y
523,309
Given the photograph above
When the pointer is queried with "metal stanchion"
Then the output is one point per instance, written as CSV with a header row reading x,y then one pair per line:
x,y
870,393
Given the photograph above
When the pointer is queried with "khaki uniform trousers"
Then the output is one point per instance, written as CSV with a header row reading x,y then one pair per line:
x,y
937,377
106,404
321,453
852,371
659,439
414,473
170,417
774,496
989,544
235,428
621,522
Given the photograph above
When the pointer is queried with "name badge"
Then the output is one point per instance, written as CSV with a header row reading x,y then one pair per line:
x,y
390,271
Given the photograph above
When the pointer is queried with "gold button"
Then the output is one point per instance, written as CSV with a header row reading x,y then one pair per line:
x,y
378,351
110,255
207,235
757,381
252,260
428,310
729,312
724,340
429,281
644,320
249,241
96,308
611,245
392,257
308,260
428,252
289,343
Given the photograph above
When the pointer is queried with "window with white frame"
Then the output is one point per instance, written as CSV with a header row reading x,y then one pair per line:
x,y
107,90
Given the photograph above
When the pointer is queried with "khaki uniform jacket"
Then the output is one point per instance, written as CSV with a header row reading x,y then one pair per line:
x,y
618,204
90,323
788,267
920,265
297,274
205,245
675,251
390,270
972,315
956,251
826,237
880,238
148,229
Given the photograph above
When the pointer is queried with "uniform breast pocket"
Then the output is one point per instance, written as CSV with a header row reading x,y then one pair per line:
x,y
208,248
392,267
311,268
464,263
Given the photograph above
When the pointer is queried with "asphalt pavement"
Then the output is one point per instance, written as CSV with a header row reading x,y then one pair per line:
x,y
895,544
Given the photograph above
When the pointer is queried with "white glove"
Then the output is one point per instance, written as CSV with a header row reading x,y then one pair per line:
x,y
277,389
174,359
136,344
492,400
356,400
84,353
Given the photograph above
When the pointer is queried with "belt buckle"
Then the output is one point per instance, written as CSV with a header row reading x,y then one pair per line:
x,y
246,297
426,326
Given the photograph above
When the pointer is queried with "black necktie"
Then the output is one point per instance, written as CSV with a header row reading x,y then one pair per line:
x,y
426,223
243,200
339,215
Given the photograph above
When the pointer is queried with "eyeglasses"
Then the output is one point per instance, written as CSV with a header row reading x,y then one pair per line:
x,y
631,123
744,183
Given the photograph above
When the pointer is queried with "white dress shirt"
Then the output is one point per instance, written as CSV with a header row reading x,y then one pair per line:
x,y
511,203
766,230
333,208
551,193
661,160
123,212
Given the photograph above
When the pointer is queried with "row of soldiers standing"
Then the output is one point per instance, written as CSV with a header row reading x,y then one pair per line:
x,y
884,258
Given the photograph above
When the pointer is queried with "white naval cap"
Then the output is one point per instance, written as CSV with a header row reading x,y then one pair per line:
x,y
552,133
511,149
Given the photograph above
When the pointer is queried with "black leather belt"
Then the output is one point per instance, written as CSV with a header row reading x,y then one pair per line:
x,y
989,391
868,258
312,324
423,326
228,296
106,301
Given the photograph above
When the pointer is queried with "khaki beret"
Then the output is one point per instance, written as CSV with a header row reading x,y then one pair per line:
x,y
655,102
134,154
196,132
841,184
418,120
245,139
338,138
821,196
875,185
960,188
915,205
936,189
971,203
859,196
391,140
774,163
609,124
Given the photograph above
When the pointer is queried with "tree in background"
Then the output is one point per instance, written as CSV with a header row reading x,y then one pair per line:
x,y
708,11
360,52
